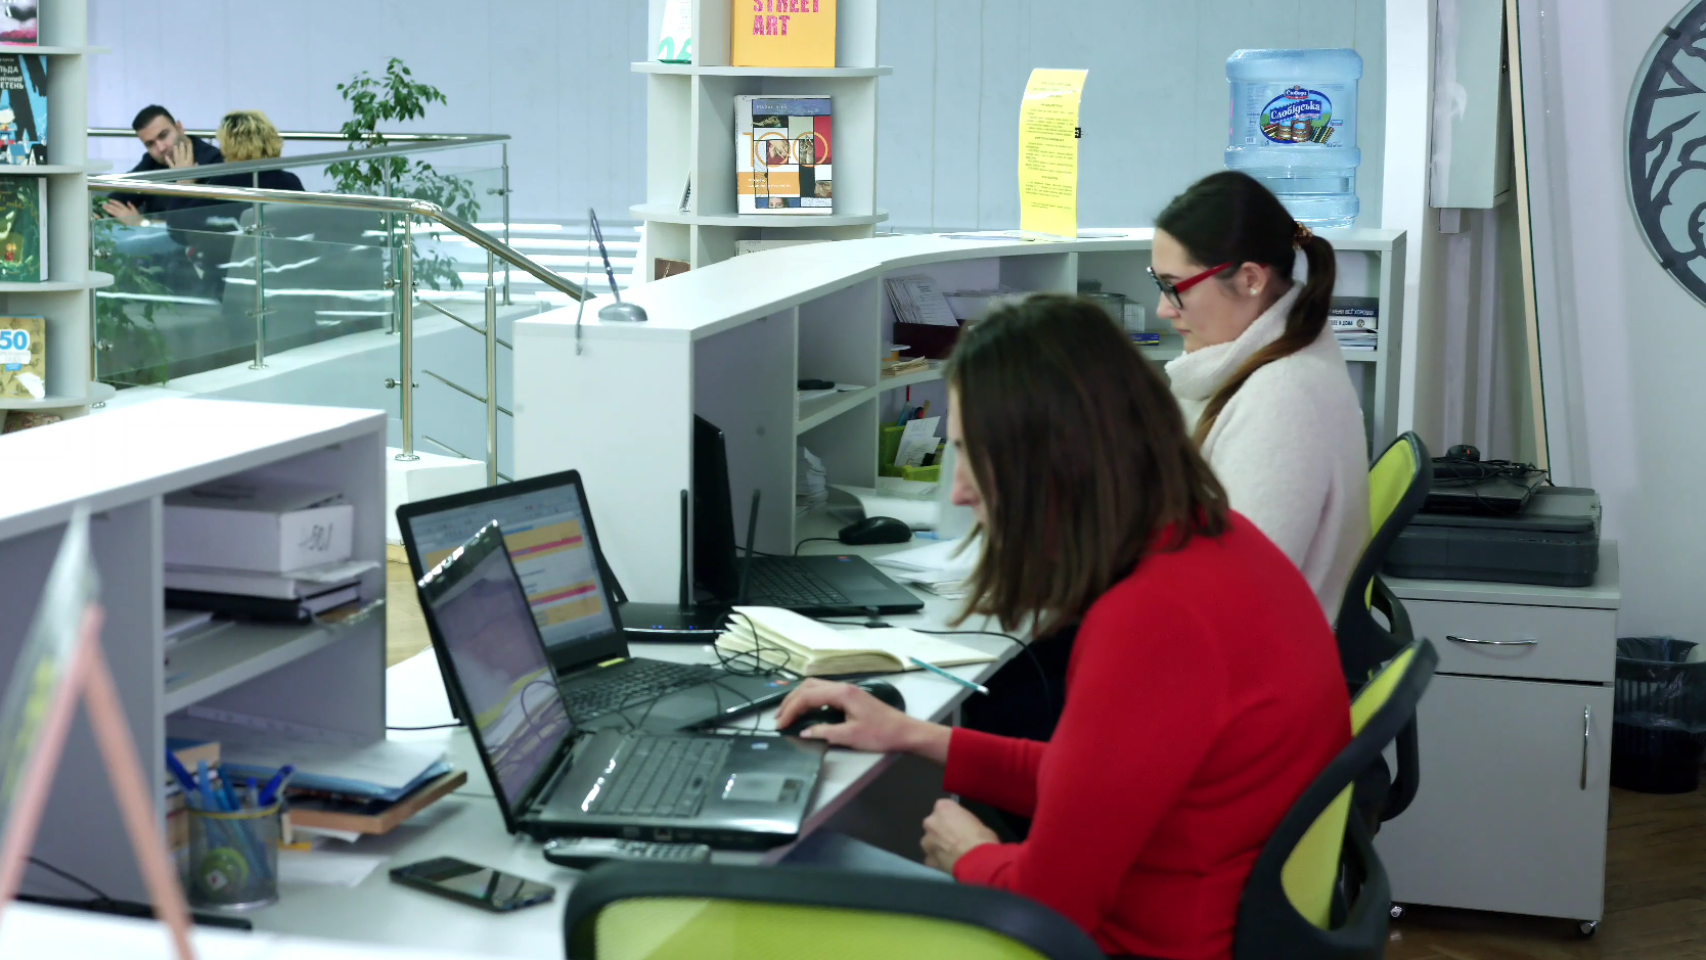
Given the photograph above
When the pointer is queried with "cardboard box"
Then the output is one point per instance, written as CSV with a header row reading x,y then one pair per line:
x,y
241,525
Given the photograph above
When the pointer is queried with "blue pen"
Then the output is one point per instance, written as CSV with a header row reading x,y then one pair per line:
x,y
254,795
178,771
938,671
230,794
270,793
207,800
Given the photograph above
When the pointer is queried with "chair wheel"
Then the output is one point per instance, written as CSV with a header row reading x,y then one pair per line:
x,y
1397,911
1588,928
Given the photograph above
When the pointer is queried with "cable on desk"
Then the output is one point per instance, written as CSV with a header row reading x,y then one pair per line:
x,y
807,540
100,896
436,726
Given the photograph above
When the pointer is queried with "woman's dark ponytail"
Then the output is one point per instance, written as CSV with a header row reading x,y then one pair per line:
x,y
1229,217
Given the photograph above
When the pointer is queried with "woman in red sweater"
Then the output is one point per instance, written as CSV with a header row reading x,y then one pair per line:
x,y
1204,691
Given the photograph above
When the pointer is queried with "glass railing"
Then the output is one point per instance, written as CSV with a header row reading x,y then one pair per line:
x,y
294,298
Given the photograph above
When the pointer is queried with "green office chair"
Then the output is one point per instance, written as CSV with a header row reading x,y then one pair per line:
x,y
664,911
1398,485
1318,891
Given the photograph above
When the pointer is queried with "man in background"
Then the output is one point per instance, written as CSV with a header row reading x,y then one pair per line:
x,y
168,146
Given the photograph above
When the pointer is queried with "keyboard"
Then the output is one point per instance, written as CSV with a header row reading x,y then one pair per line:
x,y
779,583
662,777
637,682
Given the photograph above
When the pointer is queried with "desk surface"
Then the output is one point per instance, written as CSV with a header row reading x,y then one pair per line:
x,y
468,825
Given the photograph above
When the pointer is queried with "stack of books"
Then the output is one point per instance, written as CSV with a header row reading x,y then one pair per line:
x,y
1355,322
260,552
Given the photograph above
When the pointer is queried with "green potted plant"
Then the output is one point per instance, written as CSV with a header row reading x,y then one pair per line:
x,y
394,97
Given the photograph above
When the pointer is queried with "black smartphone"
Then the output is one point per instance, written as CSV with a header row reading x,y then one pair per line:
x,y
473,884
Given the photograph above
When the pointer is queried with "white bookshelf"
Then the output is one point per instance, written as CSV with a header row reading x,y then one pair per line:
x,y
730,341
690,129
122,463
64,297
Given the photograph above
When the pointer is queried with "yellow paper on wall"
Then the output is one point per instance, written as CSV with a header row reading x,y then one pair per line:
x,y
782,33
1048,153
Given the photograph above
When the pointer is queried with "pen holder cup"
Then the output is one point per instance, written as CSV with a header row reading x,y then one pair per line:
x,y
888,444
233,858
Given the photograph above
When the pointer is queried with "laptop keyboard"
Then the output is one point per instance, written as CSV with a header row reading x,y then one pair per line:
x,y
640,681
663,777
783,584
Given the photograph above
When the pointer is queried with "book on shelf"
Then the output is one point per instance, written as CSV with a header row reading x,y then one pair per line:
x,y
783,155
813,649
1354,313
782,33
675,33
265,609
662,268
23,109
291,585
918,298
23,358
19,24
261,526
23,229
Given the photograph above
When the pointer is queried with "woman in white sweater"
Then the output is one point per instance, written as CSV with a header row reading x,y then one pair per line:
x,y
1262,382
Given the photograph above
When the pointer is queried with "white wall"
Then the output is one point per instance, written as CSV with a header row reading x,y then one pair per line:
x,y
554,75
1624,390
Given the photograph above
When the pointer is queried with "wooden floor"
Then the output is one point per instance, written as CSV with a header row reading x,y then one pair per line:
x,y
1655,897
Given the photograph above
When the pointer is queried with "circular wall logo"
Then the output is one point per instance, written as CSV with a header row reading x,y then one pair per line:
x,y
1667,149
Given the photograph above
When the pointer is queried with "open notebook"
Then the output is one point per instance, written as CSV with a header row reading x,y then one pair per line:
x,y
809,648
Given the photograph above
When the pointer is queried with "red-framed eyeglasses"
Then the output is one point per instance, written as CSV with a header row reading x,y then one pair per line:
x,y
1174,291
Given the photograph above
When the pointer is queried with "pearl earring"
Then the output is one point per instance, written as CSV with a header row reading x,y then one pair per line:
x,y
1254,291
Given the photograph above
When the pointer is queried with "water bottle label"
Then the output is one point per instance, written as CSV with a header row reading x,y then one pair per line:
x,y
1293,114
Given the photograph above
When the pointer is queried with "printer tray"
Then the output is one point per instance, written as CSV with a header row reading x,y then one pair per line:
x,y
1554,542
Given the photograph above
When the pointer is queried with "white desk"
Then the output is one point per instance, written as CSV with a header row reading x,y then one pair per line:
x,y
468,824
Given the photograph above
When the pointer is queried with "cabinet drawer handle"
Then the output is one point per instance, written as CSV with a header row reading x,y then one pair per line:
x,y
1492,643
1587,730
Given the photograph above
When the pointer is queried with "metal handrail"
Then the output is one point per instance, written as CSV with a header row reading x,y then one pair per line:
x,y
305,134
172,174
495,250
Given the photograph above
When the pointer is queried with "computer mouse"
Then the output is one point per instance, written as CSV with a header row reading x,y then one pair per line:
x,y
876,530
881,689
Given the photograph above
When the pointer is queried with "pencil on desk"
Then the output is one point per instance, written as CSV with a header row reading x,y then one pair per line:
x,y
938,671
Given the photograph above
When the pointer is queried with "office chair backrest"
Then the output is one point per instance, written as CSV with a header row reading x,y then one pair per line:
x,y
1398,485
1291,906
662,911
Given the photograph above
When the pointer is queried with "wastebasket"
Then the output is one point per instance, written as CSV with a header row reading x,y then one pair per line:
x,y
1659,715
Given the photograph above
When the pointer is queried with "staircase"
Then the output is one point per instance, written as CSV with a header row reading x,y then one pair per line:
x,y
560,247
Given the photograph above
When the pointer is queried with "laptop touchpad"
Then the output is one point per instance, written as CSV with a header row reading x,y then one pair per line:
x,y
760,788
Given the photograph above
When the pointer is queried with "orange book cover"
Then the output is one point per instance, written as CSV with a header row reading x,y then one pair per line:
x,y
782,33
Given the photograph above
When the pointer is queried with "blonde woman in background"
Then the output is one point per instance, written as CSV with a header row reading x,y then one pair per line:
x,y
249,135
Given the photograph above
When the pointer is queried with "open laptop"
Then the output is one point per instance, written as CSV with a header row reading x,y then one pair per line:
x,y
568,585
553,778
823,585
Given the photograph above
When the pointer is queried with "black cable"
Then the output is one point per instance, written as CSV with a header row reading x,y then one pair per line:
x,y
50,868
807,540
436,726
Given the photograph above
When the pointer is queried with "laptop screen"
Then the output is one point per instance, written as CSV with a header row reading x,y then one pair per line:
x,y
553,551
517,711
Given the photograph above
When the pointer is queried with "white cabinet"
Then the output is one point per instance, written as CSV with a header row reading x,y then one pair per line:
x,y
1515,738
1511,811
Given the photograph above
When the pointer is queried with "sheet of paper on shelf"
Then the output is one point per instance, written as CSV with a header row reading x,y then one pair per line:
x,y
912,502
942,567
917,298
917,440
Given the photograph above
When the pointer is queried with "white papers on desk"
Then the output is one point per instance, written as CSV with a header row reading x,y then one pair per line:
x,y
324,759
942,568
917,298
327,867
912,502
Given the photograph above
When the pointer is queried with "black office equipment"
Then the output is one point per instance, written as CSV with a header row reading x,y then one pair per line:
x,y
825,585
875,530
473,884
572,593
1553,541
552,778
881,689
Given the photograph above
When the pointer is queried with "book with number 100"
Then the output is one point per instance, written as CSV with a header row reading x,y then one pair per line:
x,y
782,33
783,154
